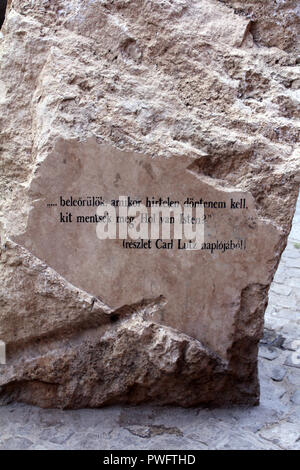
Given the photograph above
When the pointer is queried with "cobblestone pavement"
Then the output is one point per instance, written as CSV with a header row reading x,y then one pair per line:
x,y
275,424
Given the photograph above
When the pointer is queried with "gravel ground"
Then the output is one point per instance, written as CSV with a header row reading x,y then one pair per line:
x,y
275,424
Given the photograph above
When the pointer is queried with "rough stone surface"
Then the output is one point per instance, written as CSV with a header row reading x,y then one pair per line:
x,y
274,424
214,81
192,282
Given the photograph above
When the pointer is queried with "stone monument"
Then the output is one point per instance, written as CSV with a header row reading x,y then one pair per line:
x,y
150,172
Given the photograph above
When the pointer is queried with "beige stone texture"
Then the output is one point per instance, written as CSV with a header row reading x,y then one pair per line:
x,y
202,290
179,98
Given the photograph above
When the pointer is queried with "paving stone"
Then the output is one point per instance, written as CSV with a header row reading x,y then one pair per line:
x,y
88,441
291,330
57,436
294,377
272,339
295,398
278,374
292,263
289,344
295,234
269,336
16,443
274,424
281,275
281,289
290,253
48,446
283,301
245,441
277,323
268,353
284,434
293,282
293,360
288,314
270,310
294,272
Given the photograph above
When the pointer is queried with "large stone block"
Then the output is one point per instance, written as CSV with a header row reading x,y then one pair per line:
x,y
161,101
